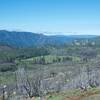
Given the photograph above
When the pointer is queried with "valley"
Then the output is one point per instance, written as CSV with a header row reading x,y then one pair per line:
x,y
53,67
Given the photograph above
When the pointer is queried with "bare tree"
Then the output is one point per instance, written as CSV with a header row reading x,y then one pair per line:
x,y
29,85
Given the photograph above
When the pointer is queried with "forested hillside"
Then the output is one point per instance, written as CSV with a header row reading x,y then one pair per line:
x,y
29,39
36,65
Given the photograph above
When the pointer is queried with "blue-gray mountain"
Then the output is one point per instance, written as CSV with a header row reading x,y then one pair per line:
x,y
29,39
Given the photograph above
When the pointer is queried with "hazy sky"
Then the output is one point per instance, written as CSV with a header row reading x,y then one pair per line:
x,y
66,16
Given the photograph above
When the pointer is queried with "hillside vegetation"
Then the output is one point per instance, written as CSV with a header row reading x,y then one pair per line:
x,y
50,67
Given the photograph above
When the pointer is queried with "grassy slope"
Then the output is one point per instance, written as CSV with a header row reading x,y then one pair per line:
x,y
92,94
50,58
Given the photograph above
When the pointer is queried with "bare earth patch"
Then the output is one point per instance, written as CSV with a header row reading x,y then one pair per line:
x,y
83,95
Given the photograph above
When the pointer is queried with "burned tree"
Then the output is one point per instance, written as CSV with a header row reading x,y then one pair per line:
x,y
30,86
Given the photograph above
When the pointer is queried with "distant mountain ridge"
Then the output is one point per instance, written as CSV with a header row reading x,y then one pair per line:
x,y
29,39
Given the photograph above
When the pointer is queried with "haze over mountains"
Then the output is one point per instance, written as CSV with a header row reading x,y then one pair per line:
x,y
29,39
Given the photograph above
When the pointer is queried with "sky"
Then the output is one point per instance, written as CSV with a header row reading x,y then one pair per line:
x,y
51,16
